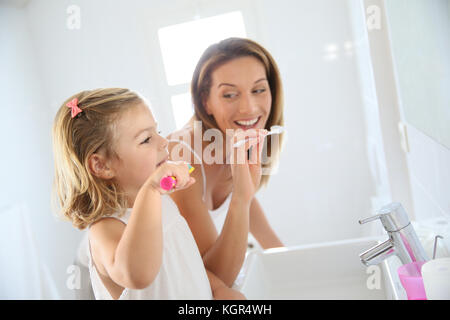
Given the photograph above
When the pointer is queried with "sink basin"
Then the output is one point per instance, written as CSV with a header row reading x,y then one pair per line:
x,y
329,270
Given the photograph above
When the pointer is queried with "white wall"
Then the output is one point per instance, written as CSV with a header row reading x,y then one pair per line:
x,y
109,50
420,45
374,136
405,73
26,162
429,166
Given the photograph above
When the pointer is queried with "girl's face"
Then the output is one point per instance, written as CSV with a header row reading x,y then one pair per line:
x,y
240,96
139,147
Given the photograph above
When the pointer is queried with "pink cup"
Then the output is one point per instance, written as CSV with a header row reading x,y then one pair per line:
x,y
411,278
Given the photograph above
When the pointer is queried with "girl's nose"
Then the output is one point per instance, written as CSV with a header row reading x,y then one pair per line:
x,y
164,143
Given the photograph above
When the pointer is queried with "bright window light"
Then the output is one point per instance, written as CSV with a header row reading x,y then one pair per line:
x,y
182,44
182,109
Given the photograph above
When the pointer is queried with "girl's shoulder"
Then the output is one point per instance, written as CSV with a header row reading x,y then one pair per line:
x,y
106,230
104,236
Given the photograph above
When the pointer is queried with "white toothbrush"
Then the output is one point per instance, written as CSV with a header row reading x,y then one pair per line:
x,y
273,130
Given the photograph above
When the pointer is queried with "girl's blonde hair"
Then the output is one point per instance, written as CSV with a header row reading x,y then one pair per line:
x,y
83,197
219,54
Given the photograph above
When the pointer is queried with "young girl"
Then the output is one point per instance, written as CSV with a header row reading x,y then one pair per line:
x,y
109,160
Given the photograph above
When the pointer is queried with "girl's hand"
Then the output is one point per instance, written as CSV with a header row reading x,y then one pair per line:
x,y
177,169
246,171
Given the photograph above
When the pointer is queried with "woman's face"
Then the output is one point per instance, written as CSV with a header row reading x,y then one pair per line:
x,y
239,97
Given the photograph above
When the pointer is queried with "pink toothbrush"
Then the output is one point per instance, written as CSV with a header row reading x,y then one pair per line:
x,y
169,182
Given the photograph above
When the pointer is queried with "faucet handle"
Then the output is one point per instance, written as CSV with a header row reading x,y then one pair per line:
x,y
392,216
370,219
385,218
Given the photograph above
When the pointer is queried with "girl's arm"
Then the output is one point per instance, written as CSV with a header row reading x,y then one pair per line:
x,y
131,255
260,227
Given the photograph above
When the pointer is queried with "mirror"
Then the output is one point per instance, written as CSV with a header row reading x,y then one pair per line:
x,y
420,39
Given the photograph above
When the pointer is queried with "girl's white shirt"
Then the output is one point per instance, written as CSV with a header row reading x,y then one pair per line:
x,y
182,274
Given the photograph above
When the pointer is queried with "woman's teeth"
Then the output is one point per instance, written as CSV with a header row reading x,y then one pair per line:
x,y
247,123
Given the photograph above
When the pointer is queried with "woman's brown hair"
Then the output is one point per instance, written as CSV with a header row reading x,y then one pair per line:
x,y
219,54
83,197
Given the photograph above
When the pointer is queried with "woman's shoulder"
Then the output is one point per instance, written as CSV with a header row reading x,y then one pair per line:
x,y
186,131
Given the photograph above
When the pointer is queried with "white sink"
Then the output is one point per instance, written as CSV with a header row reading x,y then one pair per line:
x,y
329,270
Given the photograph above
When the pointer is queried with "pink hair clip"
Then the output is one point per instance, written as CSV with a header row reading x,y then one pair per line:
x,y
73,104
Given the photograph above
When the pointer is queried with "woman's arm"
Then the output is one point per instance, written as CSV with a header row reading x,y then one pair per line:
x,y
260,227
227,254
221,291
222,254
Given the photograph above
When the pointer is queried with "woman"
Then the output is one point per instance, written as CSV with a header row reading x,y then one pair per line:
x,y
236,85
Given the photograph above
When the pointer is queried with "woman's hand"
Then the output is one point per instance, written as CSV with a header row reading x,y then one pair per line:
x,y
221,291
177,169
246,170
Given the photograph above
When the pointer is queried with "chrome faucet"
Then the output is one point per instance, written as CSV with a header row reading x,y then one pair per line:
x,y
402,240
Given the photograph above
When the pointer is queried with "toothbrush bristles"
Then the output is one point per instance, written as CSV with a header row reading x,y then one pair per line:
x,y
274,130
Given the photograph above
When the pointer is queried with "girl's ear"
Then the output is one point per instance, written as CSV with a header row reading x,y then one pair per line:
x,y
99,167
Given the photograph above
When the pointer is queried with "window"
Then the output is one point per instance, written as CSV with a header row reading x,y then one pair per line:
x,y
181,47
182,111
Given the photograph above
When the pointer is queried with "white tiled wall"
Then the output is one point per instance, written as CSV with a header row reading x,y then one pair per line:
x,y
429,170
419,45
